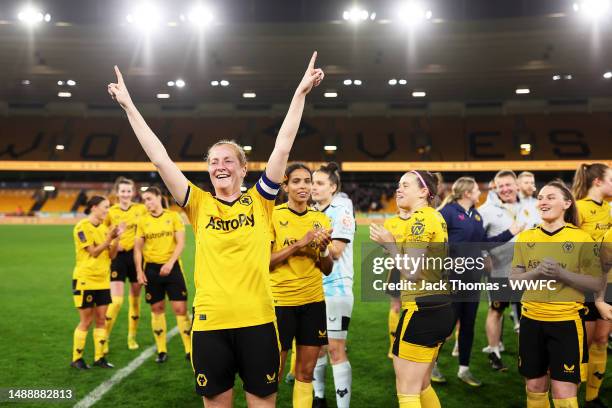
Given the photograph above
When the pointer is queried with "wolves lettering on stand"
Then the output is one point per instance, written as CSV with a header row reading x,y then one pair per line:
x,y
10,149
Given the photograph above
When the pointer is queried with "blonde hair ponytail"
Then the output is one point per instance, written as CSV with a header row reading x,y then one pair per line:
x,y
460,187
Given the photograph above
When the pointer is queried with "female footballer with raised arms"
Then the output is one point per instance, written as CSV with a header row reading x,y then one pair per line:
x,y
233,329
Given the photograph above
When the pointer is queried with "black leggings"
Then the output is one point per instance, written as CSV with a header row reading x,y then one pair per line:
x,y
465,312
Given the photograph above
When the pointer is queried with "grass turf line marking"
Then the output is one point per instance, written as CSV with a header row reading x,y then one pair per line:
x,y
97,394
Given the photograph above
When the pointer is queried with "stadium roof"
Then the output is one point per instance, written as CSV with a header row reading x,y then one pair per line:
x,y
474,53
275,11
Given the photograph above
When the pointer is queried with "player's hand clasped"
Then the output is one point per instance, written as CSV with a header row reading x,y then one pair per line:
x,y
550,269
306,239
322,238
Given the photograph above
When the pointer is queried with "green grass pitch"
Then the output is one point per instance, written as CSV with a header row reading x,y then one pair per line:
x,y
38,319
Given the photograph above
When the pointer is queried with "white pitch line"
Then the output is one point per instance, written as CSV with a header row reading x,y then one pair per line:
x,y
97,394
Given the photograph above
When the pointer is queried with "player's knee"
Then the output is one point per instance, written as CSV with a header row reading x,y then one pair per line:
x,y
408,384
135,289
304,367
600,338
333,351
305,373
537,385
337,353
563,389
217,401
87,318
85,323
179,309
100,321
116,288
158,307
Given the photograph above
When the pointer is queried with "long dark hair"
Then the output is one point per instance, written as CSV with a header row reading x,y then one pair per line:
x,y
585,176
93,202
157,191
282,196
571,214
332,169
293,167
429,181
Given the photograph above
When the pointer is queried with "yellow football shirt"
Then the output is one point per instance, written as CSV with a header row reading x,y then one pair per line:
x,y
574,250
606,254
232,258
130,217
398,227
158,233
298,280
424,229
594,217
90,273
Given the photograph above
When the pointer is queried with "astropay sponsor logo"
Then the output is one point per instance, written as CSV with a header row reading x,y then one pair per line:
x,y
240,221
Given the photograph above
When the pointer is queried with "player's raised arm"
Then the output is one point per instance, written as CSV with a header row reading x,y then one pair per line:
x,y
173,178
275,168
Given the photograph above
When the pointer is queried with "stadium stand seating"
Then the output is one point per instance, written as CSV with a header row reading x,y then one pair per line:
x,y
62,202
365,139
16,201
